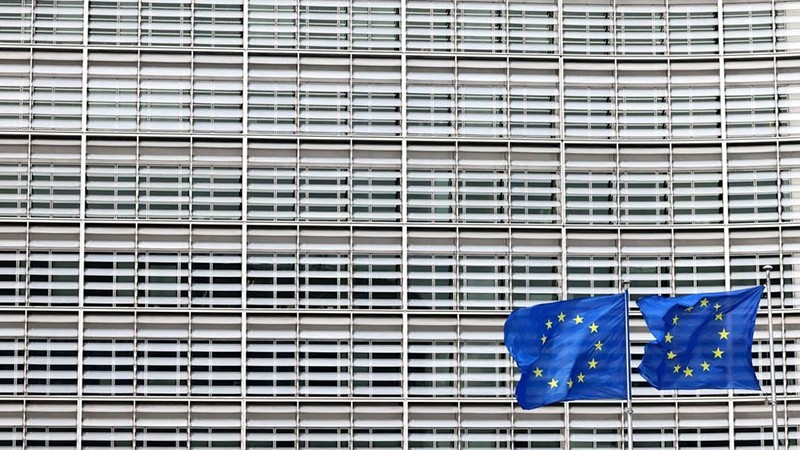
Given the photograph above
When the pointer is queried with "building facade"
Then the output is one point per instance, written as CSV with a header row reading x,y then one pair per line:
x,y
301,223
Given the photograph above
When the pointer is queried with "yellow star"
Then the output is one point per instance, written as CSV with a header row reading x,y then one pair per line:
x,y
687,372
689,308
593,327
581,376
718,317
705,366
549,324
598,346
537,372
671,355
561,317
717,306
569,383
553,383
593,364
723,334
668,337
675,320
544,339
718,353
578,319
704,303
676,368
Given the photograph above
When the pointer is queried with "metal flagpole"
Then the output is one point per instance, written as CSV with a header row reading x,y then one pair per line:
x,y
628,405
773,401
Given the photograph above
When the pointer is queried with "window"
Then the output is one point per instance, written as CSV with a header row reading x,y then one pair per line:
x,y
162,355
535,267
432,266
535,178
109,267
640,29
430,25
16,19
377,356
112,91
271,268
431,183
218,23
693,27
376,26
532,27
58,22
166,22
533,99
695,100
747,27
481,26
216,180
588,29
324,268
52,354
272,94
430,97
216,355
483,362
15,89
482,184
589,100
697,184
483,270
591,264
14,177
324,356
324,95
163,267
217,93
432,357
111,178
376,182
377,269
324,24
376,96
752,183
272,355
272,180
699,262
56,90
591,190
324,182
272,24
113,22
642,100
750,98
644,194
165,91
216,267
53,275
164,179
482,97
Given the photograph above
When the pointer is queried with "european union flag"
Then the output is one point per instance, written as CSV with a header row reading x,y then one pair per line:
x,y
569,350
703,341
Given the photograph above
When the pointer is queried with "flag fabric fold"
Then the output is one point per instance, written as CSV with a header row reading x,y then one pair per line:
x,y
569,350
702,341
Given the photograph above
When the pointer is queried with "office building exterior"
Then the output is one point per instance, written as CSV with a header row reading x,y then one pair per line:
x,y
301,224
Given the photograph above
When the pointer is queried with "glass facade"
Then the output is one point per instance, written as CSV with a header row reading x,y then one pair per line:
x,y
301,224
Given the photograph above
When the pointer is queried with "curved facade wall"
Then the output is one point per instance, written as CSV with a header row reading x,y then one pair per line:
x,y
301,224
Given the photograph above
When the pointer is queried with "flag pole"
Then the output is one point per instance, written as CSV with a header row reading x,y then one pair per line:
x,y
773,401
628,406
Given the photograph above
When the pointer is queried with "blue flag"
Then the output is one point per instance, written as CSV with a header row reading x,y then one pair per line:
x,y
703,341
569,350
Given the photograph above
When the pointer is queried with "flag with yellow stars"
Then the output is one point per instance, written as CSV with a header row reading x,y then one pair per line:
x,y
703,341
569,350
